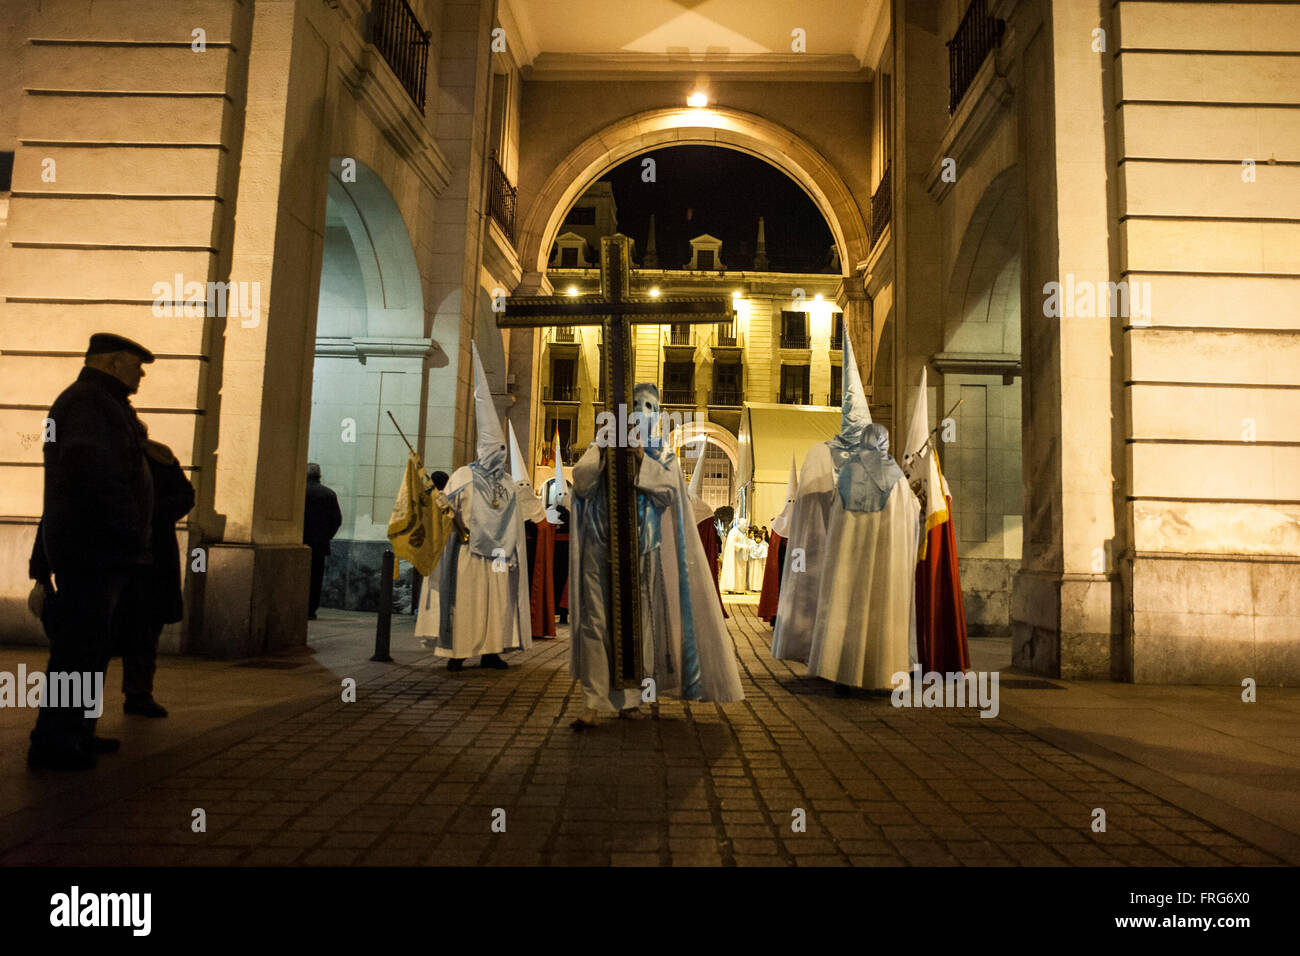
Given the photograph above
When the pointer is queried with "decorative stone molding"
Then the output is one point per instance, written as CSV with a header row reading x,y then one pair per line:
x,y
977,363
499,256
980,110
362,348
387,104
878,269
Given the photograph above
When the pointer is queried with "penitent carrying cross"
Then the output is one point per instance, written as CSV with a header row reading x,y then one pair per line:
x,y
616,310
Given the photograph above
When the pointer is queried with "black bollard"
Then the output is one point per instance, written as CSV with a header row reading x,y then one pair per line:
x,y
383,626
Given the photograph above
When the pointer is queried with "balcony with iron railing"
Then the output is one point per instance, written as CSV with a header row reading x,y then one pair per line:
x,y
977,36
794,338
403,43
727,398
727,336
562,335
502,198
677,395
561,393
679,336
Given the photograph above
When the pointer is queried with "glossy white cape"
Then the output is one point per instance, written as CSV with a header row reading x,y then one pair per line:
x,y
862,630
804,559
590,634
490,612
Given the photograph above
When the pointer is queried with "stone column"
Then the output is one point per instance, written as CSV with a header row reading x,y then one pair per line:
x,y
1065,606
253,597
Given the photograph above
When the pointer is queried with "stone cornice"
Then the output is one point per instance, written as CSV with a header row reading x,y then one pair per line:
x,y
499,256
979,112
759,67
977,363
387,104
878,270
361,348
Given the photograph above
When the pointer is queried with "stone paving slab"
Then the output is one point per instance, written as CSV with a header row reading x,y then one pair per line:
x,y
419,769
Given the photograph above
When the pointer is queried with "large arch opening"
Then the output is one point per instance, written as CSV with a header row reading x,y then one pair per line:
x,y
731,129
784,344
369,361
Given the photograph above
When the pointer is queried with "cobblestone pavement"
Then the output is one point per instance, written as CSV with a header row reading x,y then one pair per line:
x,y
416,771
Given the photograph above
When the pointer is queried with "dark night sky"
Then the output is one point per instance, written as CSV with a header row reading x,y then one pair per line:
x,y
722,192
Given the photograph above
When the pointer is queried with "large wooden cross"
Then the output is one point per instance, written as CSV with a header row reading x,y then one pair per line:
x,y
616,310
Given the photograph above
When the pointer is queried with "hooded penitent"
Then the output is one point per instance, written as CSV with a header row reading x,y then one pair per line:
x,y
493,527
864,472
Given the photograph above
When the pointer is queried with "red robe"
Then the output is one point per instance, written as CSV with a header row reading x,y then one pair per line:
x,y
940,617
542,598
767,599
709,537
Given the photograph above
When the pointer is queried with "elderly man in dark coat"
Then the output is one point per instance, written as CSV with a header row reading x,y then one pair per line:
x,y
320,522
96,532
154,597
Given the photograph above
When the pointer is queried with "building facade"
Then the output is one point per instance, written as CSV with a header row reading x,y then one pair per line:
x,y
1082,220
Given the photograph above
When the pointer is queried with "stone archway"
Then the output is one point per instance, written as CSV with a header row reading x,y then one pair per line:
x,y
370,358
715,126
979,363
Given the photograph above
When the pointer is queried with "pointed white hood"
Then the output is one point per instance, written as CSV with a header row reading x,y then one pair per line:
x,y
561,486
518,473
856,416
695,490
781,525
921,461
491,447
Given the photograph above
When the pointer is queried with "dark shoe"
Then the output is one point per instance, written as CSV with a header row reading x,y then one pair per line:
x,y
64,759
103,745
493,661
843,690
456,664
144,707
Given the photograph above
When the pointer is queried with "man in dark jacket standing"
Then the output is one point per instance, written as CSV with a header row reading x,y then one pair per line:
x,y
321,521
153,598
96,532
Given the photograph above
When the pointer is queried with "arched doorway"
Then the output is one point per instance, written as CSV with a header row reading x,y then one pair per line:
x,y
371,354
980,366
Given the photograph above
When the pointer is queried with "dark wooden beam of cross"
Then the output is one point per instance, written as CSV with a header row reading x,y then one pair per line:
x,y
616,310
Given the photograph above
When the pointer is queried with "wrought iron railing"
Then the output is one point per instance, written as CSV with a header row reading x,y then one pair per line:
x,y
977,36
727,336
560,393
404,44
502,198
837,333
882,204
727,397
564,333
677,395
794,396
794,339
679,335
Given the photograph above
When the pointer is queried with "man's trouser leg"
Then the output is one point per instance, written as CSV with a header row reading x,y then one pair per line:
x,y
140,662
317,575
79,624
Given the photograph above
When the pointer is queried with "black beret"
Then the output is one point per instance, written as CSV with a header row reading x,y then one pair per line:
x,y
102,342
